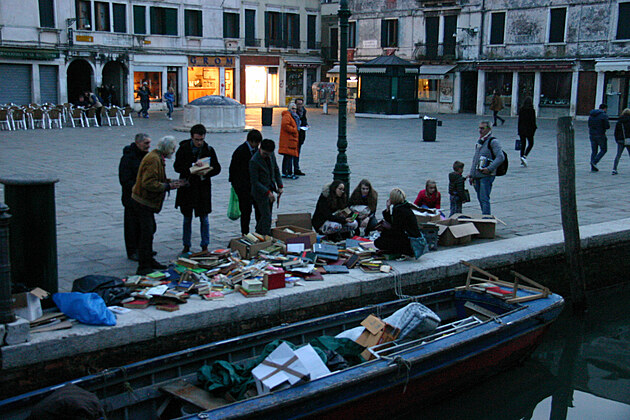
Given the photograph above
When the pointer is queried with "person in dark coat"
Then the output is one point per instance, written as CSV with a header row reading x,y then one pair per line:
x,y
526,128
622,132
239,177
326,218
597,126
197,195
400,225
301,111
127,173
266,184
145,100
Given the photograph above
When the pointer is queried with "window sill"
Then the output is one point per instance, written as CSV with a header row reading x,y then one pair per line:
x,y
556,44
194,37
620,41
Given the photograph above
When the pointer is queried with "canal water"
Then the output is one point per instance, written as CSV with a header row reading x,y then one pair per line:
x,y
581,370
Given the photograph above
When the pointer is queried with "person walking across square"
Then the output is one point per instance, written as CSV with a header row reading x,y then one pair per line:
x,y
597,126
622,132
496,105
487,158
196,194
526,128
301,112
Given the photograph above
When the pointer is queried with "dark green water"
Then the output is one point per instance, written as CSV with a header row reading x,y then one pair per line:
x,y
581,370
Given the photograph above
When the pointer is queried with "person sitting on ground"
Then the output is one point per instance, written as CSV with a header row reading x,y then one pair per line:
x,y
365,199
326,219
430,197
399,224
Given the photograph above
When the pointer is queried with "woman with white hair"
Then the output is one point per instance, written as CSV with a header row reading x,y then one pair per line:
x,y
289,141
400,225
148,195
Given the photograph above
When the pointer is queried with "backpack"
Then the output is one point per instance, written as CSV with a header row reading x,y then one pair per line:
x,y
503,167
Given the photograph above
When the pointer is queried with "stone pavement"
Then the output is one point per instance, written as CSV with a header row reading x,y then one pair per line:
x,y
388,152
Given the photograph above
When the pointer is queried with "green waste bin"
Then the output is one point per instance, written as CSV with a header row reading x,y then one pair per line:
x,y
267,116
32,232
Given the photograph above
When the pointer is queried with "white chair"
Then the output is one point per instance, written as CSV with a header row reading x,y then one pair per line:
x,y
55,117
19,119
37,117
111,115
76,116
90,115
5,119
125,113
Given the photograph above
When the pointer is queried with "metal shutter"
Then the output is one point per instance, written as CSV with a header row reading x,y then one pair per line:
x,y
15,85
48,84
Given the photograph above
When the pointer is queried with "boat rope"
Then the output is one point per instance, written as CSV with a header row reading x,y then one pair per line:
x,y
398,284
400,364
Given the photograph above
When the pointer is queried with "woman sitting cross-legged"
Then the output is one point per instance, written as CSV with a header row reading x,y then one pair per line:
x,y
363,201
399,225
326,219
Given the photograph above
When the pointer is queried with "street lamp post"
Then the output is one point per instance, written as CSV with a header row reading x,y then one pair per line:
x,y
342,170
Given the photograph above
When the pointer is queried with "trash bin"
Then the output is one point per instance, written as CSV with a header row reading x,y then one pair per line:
x,y
32,232
429,128
267,116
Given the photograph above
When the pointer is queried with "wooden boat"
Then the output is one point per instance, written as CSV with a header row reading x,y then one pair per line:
x,y
487,325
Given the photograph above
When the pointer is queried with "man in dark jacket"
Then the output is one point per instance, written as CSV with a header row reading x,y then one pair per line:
x,y
301,111
239,177
197,195
127,173
266,183
597,126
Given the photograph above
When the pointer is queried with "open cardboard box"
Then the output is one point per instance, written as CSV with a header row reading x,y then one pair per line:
x,y
302,220
426,215
281,233
486,225
28,305
250,251
376,332
452,232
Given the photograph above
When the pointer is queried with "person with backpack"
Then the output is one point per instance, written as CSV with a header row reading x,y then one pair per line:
x,y
487,160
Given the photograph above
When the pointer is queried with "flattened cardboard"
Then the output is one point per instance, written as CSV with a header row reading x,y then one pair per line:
x,y
280,233
454,233
285,364
302,220
486,225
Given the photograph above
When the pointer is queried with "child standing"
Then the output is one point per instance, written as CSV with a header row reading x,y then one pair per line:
x,y
456,188
169,96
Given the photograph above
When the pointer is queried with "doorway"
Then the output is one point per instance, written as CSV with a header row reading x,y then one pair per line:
x,y
468,92
261,85
79,77
525,87
587,85
115,75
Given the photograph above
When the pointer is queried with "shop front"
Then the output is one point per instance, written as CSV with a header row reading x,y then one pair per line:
x,y
435,88
259,80
31,75
616,85
300,74
211,75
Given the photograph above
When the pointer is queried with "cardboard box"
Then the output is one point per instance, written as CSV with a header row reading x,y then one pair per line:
x,y
249,251
274,279
280,370
486,225
376,332
453,232
302,220
427,215
28,305
280,233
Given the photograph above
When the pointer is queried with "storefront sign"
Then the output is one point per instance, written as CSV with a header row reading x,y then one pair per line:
x,y
196,61
303,65
26,54
85,38
526,67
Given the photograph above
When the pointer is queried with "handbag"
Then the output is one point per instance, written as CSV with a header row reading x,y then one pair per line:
x,y
517,144
626,139
466,197
233,210
419,245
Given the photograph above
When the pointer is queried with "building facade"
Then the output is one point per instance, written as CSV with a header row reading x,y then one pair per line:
x,y
259,53
568,56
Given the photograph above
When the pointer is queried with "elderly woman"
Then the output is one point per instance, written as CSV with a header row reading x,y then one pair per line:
x,y
289,141
148,195
400,225
327,219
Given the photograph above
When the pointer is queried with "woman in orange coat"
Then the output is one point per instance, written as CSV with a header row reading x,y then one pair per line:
x,y
288,147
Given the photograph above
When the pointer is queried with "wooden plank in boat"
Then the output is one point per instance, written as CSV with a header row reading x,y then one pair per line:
x,y
193,394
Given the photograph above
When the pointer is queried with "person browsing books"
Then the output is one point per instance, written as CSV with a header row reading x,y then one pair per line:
x,y
399,225
239,177
266,182
330,215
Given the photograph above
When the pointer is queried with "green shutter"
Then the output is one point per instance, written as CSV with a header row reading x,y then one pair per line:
x,y
139,20
120,21
46,14
383,33
170,20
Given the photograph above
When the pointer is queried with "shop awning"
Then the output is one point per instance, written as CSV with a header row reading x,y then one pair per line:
x,y
364,70
334,72
303,62
617,65
431,71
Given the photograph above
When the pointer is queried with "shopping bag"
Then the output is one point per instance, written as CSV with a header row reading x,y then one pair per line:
x,y
233,211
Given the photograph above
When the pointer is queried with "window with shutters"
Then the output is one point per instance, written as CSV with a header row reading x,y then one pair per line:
x,y
101,16
193,24
292,29
230,25
163,21
120,18
389,33
46,13
623,21
139,20
497,28
250,28
311,32
273,29
431,36
352,34
557,23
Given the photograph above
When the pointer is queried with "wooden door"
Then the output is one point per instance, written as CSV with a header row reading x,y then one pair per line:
x,y
587,85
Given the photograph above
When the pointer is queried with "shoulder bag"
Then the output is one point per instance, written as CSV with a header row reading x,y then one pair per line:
x,y
626,139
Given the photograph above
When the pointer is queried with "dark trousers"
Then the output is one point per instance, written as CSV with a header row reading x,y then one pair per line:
x,y
263,225
132,230
245,204
600,143
296,160
146,219
495,114
288,163
530,144
145,108
392,243
620,149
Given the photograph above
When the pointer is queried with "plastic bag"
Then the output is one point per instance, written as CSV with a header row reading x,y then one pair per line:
x,y
233,210
87,308
419,245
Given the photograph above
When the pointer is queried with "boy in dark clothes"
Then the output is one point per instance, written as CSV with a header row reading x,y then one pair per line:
x,y
456,189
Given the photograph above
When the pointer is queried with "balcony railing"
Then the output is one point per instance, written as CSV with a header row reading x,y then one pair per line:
x,y
432,51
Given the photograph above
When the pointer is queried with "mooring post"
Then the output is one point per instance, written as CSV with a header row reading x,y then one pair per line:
x,y
568,209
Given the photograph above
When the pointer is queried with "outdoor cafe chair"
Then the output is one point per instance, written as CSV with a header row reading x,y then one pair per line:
x,y
55,117
76,116
19,119
5,119
125,113
37,117
111,115
90,115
